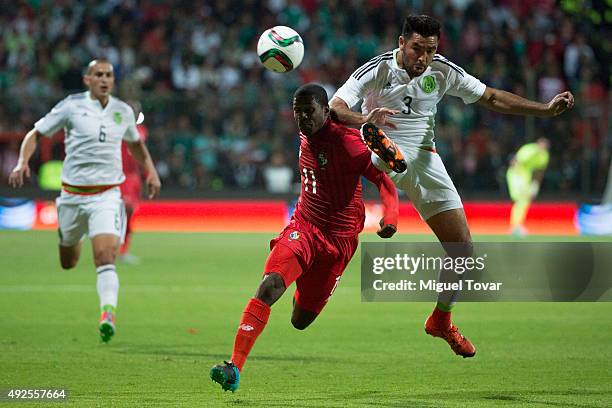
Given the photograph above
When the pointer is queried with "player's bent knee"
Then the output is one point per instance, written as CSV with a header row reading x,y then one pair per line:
x,y
69,256
271,288
301,324
302,318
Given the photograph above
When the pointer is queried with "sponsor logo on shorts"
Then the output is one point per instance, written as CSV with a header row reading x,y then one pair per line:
x,y
294,236
246,327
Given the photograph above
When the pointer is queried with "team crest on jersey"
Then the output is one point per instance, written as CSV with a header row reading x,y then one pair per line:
x,y
117,117
322,159
428,84
294,236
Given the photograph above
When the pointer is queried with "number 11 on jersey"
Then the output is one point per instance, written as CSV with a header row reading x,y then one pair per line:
x,y
312,180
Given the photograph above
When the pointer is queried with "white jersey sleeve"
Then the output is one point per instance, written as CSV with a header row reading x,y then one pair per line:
x,y
55,120
131,133
461,84
363,80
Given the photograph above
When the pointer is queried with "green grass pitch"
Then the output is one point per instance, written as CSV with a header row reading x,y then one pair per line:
x,y
178,312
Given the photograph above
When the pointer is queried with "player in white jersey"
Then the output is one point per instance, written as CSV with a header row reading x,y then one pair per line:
x,y
400,91
90,203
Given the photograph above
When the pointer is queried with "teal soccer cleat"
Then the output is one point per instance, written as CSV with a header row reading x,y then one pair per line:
x,y
227,375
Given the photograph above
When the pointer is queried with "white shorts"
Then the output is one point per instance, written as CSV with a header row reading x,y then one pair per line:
x,y
95,214
425,182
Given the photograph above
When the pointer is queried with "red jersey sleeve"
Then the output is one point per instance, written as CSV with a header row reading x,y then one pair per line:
x,y
387,192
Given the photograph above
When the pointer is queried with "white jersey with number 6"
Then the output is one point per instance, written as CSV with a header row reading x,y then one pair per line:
x,y
382,83
93,137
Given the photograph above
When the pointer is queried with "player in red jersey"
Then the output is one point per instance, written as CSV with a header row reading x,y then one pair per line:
x,y
321,238
131,189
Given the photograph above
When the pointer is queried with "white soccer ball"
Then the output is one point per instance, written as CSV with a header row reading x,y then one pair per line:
x,y
280,49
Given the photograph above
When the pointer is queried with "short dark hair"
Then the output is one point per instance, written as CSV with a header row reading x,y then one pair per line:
x,y
423,25
317,92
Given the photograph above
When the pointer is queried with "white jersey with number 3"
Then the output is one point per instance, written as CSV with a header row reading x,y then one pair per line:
x,y
382,83
92,139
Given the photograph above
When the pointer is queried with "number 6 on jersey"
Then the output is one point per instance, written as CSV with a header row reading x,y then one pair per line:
x,y
102,134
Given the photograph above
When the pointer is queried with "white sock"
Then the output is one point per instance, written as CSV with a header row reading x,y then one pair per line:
x,y
107,285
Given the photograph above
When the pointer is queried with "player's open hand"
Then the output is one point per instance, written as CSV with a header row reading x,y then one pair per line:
x,y
560,103
386,230
153,185
17,176
380,117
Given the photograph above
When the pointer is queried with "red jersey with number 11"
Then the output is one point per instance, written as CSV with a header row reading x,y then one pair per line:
x,y
332,162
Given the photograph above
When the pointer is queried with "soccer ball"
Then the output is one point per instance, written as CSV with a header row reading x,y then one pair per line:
x,y
280,49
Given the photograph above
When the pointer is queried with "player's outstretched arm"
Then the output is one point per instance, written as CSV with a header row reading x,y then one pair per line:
x,y
507,102
141,154
378,116
388,196
22,169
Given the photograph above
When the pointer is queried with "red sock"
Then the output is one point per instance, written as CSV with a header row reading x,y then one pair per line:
x,y
254,319
441,317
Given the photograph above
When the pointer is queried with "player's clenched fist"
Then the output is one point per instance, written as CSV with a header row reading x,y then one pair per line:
x,y
560,103
17,175
386,230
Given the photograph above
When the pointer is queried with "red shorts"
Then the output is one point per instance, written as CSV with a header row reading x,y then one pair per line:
x,y
321,260
131,190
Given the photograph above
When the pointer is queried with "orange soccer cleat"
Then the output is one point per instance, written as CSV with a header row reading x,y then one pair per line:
x,y
460,345
384,147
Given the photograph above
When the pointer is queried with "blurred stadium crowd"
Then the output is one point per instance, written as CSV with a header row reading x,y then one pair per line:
x,y
217,120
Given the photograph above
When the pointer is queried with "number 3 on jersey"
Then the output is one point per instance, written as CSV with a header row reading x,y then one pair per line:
x,y
309,176
102,134
407,101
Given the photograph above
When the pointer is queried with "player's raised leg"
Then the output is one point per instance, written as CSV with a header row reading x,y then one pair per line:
x,y
282,268
105,248
452,230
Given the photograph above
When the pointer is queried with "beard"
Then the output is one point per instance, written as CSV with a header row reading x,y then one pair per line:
x,y
416,70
